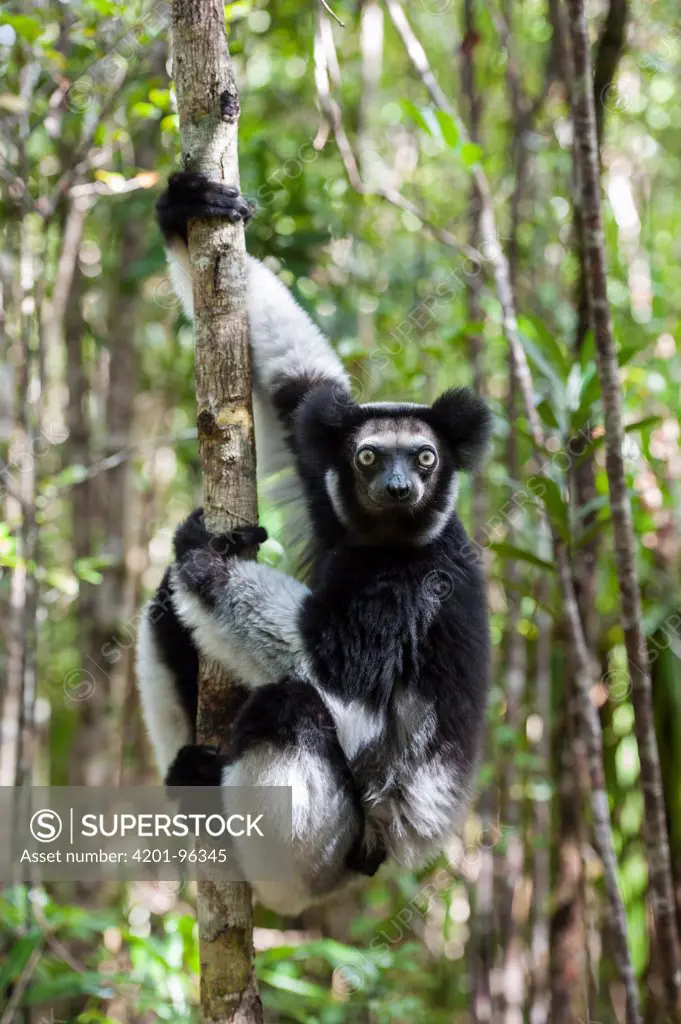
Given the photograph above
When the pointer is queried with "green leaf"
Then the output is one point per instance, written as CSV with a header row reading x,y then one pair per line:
x,y
549,346
422,116
84,569
587,353
510,551
448,127
71,984
12,104
471,154
630,349
643,424
548,372
18,956
555,505
296,985
545,410
25,26
590,393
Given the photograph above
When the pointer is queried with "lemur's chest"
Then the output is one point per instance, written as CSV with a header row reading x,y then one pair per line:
x,y
366,641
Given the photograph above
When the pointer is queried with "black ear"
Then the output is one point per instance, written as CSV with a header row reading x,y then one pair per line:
x,y
322,422
464,421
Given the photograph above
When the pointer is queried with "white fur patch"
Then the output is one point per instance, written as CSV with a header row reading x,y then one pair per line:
x,y
415,723
180,272
318,828
441,518
431,804
167,724
401,440
356,725
393,406
286,344
213,641
333,490
253,630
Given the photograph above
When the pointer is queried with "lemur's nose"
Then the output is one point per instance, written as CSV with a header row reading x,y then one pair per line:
x,y
399,490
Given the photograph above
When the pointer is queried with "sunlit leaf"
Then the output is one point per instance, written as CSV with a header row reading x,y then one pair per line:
x,y
512,553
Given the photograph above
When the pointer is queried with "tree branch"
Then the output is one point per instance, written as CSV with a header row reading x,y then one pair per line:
x,y
334,118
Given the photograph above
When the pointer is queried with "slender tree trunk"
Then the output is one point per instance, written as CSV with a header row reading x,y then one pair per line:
x,y
208,105
113,603
568,974
482,934
87,687
510,874
538,996
586,154
27,371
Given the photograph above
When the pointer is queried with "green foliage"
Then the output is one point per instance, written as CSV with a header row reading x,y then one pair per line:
x,y
396,304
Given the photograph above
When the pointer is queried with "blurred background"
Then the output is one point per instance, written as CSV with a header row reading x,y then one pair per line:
x,y
365,205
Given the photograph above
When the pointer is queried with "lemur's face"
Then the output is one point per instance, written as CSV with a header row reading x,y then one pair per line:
x,y
396,464
390,469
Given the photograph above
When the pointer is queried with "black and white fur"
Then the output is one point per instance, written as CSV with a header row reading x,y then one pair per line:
x,y
366,690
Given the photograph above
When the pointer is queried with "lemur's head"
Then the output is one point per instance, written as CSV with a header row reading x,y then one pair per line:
x,y
390,469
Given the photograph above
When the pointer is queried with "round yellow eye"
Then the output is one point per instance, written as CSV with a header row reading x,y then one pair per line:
x,y
366,457
427,458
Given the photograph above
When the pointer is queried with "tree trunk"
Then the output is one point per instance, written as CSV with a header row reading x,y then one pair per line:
x,y
208,105
482,896
537,1005
588,178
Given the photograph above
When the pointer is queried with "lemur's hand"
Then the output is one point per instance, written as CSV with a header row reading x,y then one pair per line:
x,y
203,558
193,535
194,195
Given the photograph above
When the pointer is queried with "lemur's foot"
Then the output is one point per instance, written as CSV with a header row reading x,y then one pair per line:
x,y
194,195
193,535
204,560
196,765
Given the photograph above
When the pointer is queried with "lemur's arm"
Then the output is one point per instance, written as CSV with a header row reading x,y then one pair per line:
x,y
290,354
242,614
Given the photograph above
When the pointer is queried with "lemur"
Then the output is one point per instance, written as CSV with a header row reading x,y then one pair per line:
x,y
366,689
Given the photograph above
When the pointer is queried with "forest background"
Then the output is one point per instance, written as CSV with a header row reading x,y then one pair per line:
x,y
363,146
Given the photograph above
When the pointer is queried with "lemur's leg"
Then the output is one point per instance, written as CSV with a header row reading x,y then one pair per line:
x,y
284,735
290,354
167,656
167,669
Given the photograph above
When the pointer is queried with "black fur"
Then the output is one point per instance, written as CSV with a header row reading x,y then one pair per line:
x,y
176,646
195,196
193,535
396,622
196,765
173,638
388,620
288,398
463,420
